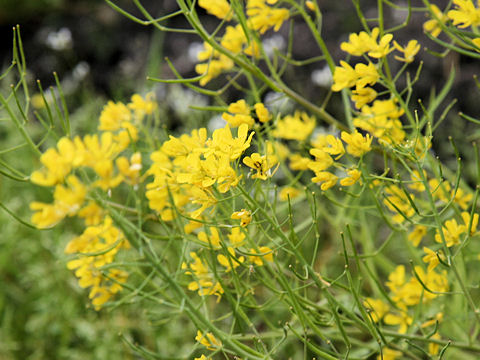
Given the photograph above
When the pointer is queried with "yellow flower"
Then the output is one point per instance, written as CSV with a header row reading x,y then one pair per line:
x,y
433,348
409,51
130,169
244,216
417,182
433,25
377,308
451,233
265,253
298,162
262,17
431,258
262,164
298,126
352,178
382,121
403,320
322,160
219,8
367,43
357,144
289,192
466,14
241,114
327,179
113,116
389,354
346,77
141,106
213,239
362,96
236,237
213,68
208,340
231,262
334,146
416,236
466,220
59,162
262,112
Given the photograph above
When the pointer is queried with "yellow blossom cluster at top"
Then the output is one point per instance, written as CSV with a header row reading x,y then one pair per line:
x,y
261,16
382,119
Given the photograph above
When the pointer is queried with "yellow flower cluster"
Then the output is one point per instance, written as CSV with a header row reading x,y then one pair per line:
x,y
260,17
98,158
382,119
326,146
406,293
240,113
186,169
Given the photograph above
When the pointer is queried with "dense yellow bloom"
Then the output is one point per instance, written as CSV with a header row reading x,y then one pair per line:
x,y
244,216
262,164
382,121
361,43
67,202
298,126
262,17
222,141
113,116
334,146
141,106
241,114
409,51
218,8
433,25
58,163
465,15
362,96
345,76
208,340
105,240
357,144
92,214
